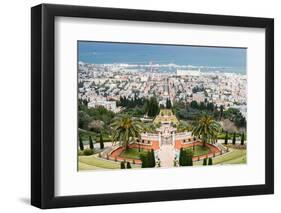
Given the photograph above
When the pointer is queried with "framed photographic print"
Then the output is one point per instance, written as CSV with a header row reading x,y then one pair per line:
x,y
139,106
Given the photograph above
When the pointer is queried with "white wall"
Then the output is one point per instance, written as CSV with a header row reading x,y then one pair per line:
x,y
15,104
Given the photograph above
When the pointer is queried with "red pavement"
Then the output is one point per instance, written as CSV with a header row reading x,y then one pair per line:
x,y
115,154
213,149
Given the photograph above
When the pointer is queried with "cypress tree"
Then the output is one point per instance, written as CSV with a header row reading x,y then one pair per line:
x,y
189,155
184,158
91,142
143,161
226,138
234,138
152,158
122,165
210,161
180,157
129,165
81,143
242,138
221,111
101,142
204,161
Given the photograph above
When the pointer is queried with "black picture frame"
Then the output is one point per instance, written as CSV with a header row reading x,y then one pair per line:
x,y
43,111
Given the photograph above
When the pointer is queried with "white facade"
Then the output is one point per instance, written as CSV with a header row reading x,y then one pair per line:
x,y
109,105
188,72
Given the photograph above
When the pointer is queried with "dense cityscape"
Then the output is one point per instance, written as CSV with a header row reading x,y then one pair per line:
x,y
104,85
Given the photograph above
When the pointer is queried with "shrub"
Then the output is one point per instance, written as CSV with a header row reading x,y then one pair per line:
x,y
134,162
205,162
122,165
80,152
210,162
88,151
100,154
115,159
128,165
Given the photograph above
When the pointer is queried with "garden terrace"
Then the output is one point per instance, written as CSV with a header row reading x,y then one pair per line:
x,y
213,150
118,153
166,116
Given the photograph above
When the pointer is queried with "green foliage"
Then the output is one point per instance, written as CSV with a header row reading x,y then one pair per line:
x,y
242,138
221,111
129,165
234,138
91,144
189,156
100,115
185,158
204,161
126,129
148,159
80,153
235,116
101,142
83,120
226,138
207,128
81,145
122,165
88,151
168,104
144,161
198,89
152,107
210,161
151,158
131,103
194,105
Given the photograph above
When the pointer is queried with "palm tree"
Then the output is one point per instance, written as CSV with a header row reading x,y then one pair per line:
x,y
125,130
206,128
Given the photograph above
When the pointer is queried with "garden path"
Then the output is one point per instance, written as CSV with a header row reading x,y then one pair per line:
x,y
166,155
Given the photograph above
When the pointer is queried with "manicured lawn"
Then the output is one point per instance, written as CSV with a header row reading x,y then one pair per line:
x,y
97,162
199,150
84,166
92,163
133,153
235,156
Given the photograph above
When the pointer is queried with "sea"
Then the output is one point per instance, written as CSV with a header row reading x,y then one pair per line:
x,y
224,59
